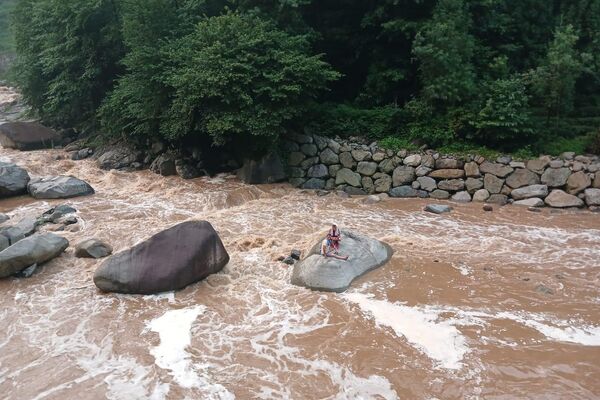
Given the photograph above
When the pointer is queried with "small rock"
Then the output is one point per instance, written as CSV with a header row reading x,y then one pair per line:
x,y
534,209
295,254
69,220
27,272
504,159
487,207
288,261
372,199
544,290
322,193
437,208
3,218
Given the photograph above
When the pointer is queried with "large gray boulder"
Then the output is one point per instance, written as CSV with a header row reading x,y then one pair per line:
x,y
522,177
592,197
35,249
58,187
13,180
117,157
529,191
329,274
403,175
27,136
10,235
559,199
347,176
268,169
164,165
577,182
499,170
555,177
169,260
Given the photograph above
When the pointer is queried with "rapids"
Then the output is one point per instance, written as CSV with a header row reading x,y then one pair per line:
x,y
455,314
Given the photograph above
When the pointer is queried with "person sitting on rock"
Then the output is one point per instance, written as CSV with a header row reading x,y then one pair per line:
x,y
331,244
333,238
327,251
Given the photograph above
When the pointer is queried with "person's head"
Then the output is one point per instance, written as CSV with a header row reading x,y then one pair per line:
x,y
333,226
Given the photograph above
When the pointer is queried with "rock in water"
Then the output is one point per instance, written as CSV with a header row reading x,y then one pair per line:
x,y
169,260
269,169
58,187
13,180
93,248
35,249
27,136
329,274
559,199
437,208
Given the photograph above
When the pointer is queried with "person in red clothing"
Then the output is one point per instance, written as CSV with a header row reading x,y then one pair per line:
x,y
331,244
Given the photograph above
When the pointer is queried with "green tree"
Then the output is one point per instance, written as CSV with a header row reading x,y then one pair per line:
x,y
444,48
68,54
504,118
554,81
230,78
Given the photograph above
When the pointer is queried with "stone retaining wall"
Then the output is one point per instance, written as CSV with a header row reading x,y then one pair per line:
x,y
315,162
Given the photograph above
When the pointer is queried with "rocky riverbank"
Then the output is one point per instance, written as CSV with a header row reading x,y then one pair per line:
x,y
315,162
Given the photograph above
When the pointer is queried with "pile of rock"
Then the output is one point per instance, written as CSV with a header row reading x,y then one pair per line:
x,y
15,181
316,162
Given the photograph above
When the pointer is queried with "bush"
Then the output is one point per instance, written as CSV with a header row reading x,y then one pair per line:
x,y
504,118
233,78
396,143
346,120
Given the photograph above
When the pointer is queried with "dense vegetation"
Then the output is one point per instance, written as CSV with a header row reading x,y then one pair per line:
x,y
449,73
7,44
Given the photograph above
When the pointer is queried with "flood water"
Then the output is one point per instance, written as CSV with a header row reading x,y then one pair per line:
x,y
473,304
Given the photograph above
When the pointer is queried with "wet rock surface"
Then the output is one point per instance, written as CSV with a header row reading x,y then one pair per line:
x,y
329,274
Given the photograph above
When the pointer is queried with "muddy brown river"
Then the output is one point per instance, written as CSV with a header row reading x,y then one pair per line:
x,y
474,304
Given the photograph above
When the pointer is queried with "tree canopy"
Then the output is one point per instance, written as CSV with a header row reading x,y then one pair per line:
x,y
494,72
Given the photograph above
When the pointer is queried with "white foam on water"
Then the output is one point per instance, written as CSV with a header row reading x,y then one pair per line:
x,y
566,331
174,329
439,340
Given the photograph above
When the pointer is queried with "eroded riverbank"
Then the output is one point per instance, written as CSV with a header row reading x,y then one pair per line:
x,y
459,312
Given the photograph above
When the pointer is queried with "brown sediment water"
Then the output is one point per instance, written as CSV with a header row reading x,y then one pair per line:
x,y
457,313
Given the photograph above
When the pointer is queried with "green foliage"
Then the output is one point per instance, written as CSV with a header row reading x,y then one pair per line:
x,y
557,145
230,76
554,81
7,43
444,48
396,143
67,56
504,117
239,75
510,75
346,120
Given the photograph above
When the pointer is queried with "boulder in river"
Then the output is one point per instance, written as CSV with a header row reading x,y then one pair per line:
x,y
559,199
27,136
13,180
169,260
437,208
93,248
12,234
35,249
268,169
58,187
329,274
117,157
